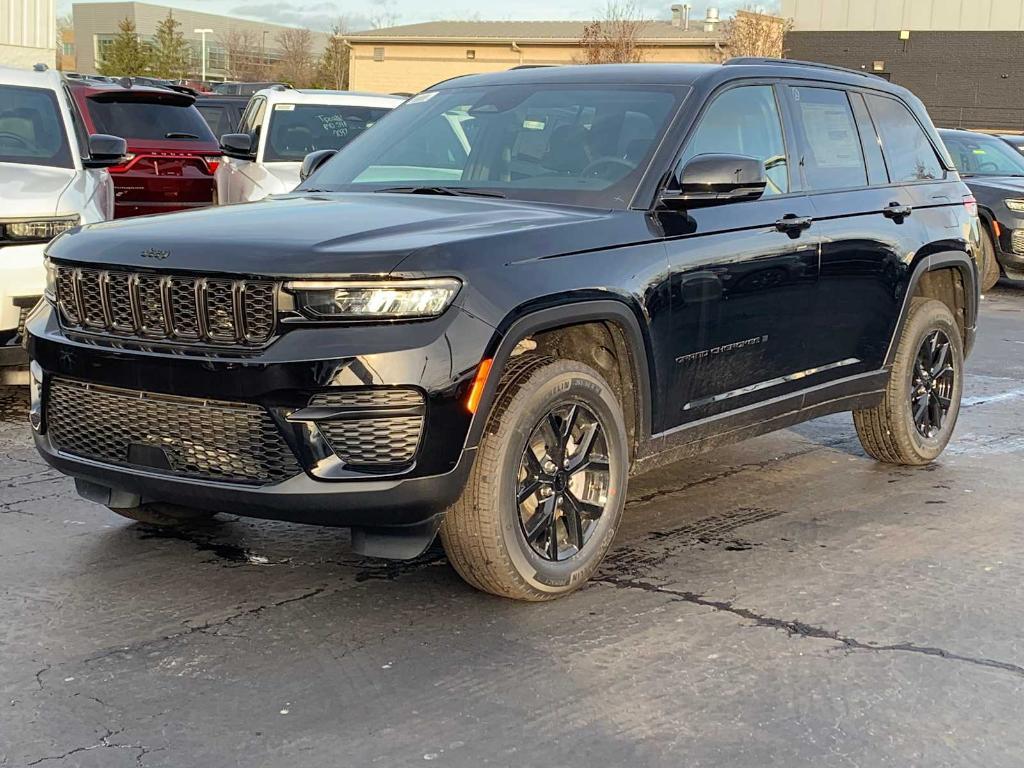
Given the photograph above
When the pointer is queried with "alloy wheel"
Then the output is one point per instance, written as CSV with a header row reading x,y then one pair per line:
x,y
563,480
933,384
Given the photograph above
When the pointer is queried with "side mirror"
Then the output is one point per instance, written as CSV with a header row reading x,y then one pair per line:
x,y
238,145
717,179
314,160
105,151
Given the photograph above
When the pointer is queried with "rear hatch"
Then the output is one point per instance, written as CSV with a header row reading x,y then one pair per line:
x,y
172,153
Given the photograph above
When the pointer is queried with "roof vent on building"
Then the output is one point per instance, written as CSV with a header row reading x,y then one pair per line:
x,y
681,16
712,20
40,67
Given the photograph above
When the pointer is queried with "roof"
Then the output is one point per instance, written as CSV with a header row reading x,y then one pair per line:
x,y
279,94
653,32
679,74
48,78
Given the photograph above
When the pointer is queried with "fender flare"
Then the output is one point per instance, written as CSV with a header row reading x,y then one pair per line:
x,y
935,261
583,311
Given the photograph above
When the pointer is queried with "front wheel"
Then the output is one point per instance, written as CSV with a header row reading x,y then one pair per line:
x,y
548,485
915,420
989,266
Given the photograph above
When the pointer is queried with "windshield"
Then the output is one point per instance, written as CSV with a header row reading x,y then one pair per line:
x,y
576,144
297,129
31,128
149,120
983,156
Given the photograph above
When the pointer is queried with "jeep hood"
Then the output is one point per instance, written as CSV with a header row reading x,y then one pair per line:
x,y
319,235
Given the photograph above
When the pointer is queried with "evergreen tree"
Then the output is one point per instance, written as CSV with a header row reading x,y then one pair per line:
x,y
171,54
126,56
332,68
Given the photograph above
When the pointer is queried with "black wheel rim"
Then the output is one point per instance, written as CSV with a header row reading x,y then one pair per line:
x,y
934,380
563,480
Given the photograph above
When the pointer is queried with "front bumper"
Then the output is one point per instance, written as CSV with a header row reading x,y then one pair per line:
x,y
437,358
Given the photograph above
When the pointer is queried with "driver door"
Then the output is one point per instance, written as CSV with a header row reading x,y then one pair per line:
x,y
743,274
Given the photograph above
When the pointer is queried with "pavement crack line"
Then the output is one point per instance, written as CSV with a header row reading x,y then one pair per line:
x,y
204,628
103,743
801,629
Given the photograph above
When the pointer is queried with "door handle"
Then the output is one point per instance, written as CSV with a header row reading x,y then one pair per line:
x,y
897,211
793,224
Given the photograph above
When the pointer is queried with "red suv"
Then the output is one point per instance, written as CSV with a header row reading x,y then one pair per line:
x,y
172,153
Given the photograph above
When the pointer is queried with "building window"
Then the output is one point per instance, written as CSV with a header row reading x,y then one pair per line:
x,y
470,54
378,54
102,46
68,49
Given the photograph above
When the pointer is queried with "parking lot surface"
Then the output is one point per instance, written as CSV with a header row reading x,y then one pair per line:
x,y
786,601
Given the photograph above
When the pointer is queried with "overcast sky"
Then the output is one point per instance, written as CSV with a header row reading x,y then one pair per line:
x,y
321,14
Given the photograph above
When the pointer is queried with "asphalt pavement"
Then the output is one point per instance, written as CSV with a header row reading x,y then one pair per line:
x,y
783,602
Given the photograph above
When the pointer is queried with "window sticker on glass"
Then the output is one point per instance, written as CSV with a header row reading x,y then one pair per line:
x,y
422,97
533,125
284,107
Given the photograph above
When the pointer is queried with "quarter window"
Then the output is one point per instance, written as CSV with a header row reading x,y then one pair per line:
x,y
830,152
908,152
744,121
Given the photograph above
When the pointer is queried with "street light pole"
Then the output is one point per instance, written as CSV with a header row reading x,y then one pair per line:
x,y
204,33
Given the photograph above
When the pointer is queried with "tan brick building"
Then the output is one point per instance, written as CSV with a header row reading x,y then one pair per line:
x,y
409,58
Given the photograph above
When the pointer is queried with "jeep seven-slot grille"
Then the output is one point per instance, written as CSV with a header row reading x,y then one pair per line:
x,y
179,308
203,439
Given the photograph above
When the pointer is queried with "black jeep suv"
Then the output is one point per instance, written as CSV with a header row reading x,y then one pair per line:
x,y
513,293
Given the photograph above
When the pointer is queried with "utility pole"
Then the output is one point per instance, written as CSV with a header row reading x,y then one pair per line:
x,y
263,55
204,33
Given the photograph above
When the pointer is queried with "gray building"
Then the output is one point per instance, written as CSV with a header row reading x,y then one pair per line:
x,y
96,27
963,58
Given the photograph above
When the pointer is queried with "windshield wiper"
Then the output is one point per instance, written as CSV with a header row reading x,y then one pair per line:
x,y
453,191
180,135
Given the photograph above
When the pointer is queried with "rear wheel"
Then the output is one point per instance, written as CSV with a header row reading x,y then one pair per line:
x,y
989,266
913,423
163,515
548,485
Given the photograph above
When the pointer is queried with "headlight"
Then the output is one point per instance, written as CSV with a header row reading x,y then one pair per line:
x,y
51,280
35,230
1015,205
379,300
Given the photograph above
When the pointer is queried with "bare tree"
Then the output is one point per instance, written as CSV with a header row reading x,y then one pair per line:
x,y
242,56
614,38
384,15
750,33
296,65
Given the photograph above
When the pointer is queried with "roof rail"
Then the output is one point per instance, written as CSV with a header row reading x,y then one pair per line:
x,y
795,63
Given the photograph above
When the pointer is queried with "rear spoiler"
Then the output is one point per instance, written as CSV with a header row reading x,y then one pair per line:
x,y
146,94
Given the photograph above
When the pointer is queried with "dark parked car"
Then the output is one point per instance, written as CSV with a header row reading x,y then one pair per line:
x,y
172,153
242,89
994,171
1014,140
222,113
482,316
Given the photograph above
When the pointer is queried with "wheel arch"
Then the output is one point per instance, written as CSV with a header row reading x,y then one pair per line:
x,y
925,280
536,322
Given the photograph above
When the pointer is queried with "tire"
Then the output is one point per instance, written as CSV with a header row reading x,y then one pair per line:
x,y
163,515
890,432
989,266
485,532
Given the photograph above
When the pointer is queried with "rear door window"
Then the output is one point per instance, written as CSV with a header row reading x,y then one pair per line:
x,y
149,120
744,121
295,130
218,117
830,154
908,152
31,128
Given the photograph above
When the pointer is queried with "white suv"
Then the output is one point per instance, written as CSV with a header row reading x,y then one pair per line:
x,y
280,127
52,178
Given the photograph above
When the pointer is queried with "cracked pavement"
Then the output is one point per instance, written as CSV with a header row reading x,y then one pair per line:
x,y
786,601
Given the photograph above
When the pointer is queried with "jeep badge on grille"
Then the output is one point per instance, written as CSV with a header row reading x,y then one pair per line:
x,y
155,253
